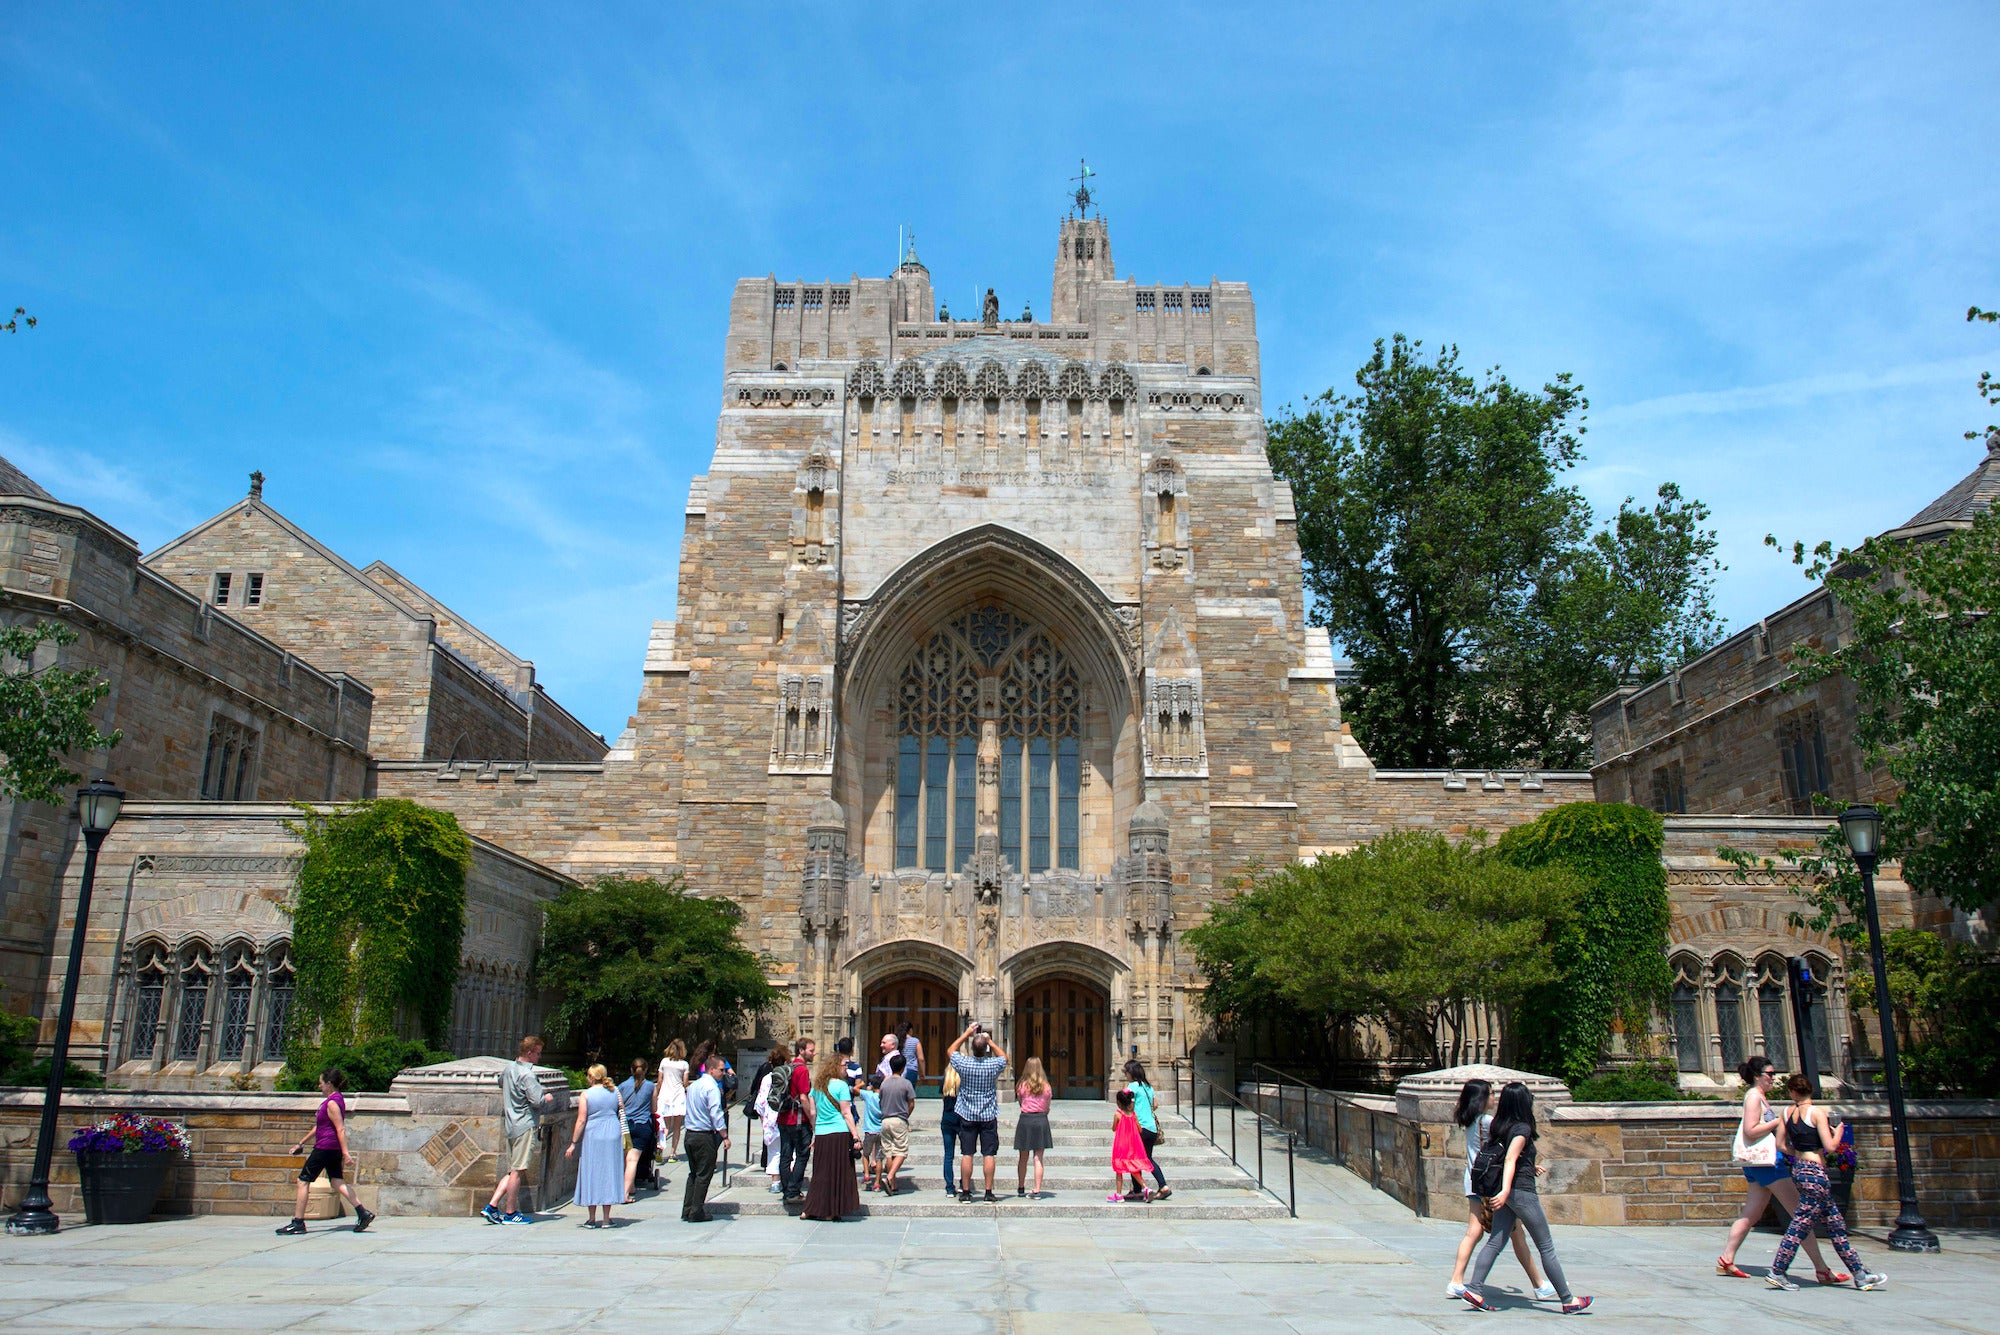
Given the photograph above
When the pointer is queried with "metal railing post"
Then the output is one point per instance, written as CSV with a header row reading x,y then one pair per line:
x,y
1260,1149
1291,1173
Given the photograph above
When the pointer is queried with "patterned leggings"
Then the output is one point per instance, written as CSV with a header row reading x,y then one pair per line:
x,y
1815,1207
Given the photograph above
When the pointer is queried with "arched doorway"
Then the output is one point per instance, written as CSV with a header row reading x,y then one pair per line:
x,y
930,1007
1062,1019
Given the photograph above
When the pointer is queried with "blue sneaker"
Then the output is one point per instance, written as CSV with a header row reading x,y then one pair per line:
x,y
518,1218
491,1214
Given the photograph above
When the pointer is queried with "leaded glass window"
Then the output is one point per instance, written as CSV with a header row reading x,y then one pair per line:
x,y
277,1005
235,1008
1729,1017
1687,1022
989,665
195,976
148,995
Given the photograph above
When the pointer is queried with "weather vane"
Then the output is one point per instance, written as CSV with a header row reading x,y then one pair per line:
x,y
1082,179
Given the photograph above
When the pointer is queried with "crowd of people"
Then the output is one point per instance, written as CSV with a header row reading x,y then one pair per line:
x,y
831,1130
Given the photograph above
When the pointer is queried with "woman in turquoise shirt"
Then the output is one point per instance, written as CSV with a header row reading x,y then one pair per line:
x,y
835,1139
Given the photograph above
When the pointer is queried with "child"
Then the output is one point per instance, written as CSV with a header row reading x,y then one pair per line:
x,y
330,1154
871,1130
1128,1153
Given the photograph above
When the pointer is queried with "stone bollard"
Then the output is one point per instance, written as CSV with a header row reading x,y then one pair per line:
x,y
1424,1106
445,1159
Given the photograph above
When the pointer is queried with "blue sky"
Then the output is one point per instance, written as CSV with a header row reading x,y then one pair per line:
x,y
456,277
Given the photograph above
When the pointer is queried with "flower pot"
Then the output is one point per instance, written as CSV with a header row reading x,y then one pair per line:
x,y
1840,1185
119,1187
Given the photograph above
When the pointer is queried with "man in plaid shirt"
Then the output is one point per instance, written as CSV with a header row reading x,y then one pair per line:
x,y
978,1104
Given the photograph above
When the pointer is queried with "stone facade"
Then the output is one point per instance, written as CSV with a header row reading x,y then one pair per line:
x,y
1730,733
187,976
444,690
990,668
207,706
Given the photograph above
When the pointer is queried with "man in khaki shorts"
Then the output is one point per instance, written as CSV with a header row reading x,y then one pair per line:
x,y
899,1101
523,1098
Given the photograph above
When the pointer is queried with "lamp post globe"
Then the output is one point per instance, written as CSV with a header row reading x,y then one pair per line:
x,y
97,805
1861,824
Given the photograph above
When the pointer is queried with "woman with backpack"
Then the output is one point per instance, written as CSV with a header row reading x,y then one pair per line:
x,y
777,1075
1504,1172
1472,1115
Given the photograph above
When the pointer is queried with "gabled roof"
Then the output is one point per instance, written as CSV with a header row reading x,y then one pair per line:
x,y
305,539
1967,499
13,482
387,576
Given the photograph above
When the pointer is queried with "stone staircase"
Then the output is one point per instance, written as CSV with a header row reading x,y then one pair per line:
x,y
1206,1185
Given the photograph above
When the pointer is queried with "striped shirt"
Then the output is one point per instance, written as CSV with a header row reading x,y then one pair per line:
x,y
978,1086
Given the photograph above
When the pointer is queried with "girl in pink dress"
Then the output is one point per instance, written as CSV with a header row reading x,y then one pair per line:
x,y
1128,1153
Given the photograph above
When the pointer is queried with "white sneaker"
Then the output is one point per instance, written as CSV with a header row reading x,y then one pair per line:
x,y
1868,1280
1546,1294
1454,1291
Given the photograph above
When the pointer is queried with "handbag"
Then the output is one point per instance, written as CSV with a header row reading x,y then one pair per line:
x,y
1762,1154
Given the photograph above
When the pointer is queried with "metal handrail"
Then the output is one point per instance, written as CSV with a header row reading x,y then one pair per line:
x,y
1195,1080
1341,1100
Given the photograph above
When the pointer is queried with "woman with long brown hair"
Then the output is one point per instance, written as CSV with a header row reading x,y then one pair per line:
x,y
835,1136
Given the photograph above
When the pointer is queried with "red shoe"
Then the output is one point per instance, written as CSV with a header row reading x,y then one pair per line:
x,y
1479,1304
1575,1305
1731,1269
1832,1277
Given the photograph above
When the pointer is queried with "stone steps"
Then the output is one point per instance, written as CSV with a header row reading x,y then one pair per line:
x,y
1183,1204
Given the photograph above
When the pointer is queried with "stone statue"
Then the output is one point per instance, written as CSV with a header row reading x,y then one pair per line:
x,y
990,316
1027,313
944,313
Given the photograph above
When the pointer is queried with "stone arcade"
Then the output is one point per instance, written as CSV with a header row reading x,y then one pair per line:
x,y
991,667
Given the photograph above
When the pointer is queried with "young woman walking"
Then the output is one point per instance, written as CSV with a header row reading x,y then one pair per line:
x,y
1128,1154
597,1143
671,1100
330,1154
635,1100
1471,1114
1145,1106
1757,1152
1516,1201
1031,1128
835,1136
1810,1139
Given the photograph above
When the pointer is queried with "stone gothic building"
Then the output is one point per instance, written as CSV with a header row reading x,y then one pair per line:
x,y
991,666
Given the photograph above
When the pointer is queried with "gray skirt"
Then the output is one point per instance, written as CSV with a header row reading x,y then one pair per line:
x,y
1031,1132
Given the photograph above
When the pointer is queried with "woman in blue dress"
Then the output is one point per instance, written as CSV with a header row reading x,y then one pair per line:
x,y
597,1143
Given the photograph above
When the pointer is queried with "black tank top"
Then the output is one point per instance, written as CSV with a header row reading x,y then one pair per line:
x,y
1803,1136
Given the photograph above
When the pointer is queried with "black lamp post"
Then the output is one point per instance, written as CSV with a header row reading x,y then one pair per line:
x,y
97,803
1862,824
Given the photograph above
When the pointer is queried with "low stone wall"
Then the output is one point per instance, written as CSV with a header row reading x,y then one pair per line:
x,y
1635,1163
430,1147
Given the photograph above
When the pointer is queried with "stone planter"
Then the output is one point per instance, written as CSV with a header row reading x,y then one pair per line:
x,y
120,1188
1840,1183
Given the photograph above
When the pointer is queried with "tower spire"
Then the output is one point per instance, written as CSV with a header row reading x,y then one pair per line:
x,y
1082,195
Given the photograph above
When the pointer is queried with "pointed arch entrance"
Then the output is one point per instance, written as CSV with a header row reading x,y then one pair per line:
x,y
928,1004
1064,1019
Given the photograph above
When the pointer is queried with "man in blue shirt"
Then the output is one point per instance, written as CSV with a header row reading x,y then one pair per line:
x,y
978,1104
707,1132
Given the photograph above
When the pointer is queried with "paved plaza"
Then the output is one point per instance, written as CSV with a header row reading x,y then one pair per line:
x,y
1353,1260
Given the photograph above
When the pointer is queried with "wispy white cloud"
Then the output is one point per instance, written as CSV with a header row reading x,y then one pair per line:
x,y
1793,393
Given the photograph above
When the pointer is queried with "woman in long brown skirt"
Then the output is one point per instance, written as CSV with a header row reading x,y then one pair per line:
x,y
832,1193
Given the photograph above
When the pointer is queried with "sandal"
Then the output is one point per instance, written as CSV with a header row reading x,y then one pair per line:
x,y
1832,1277
1731,1269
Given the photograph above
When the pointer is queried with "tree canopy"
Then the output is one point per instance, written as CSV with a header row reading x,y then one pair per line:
x,y
635,960
1483,605
1403,931
44,713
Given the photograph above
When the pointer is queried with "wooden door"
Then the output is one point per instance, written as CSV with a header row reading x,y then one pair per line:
x,y
930,1007
1062,1021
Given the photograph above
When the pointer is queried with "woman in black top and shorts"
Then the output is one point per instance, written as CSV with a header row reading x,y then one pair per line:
x,y
1809,1138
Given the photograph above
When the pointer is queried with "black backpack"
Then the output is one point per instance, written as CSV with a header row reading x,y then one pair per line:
x,y
1489,1166
781,1101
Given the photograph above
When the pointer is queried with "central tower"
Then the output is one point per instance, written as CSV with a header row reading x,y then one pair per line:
x,y
1083,260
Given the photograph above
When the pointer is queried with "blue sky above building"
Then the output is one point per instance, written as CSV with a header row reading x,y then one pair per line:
x,y
456,277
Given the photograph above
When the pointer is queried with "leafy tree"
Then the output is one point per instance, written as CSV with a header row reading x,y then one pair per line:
x,y
1610,960
1405,931
1483,609
20,1066
44,713
377,924
635,959
19,318
1945,996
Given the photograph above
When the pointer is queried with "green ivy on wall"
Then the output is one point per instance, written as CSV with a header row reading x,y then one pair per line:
x,y
377,922
1611,963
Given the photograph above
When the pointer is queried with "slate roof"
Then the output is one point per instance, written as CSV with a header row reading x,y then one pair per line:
x,y
13,482
1969,498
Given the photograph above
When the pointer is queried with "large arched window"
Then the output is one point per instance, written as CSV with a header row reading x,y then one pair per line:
x,y
988,666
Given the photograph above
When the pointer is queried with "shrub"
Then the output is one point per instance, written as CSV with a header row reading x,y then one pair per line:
x,y
20,1066
368,1066
1652,1082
